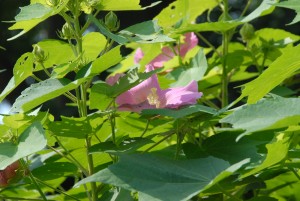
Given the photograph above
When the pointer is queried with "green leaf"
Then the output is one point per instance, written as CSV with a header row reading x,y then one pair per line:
x,y
33,11
176,114
129,145
22,70
123,5
41,92
100,96
30,141
32,15
186,10
261,10
264,114
55,57
195,72
54,170
71,127
277,152
291,4
273,75
92,44
161,178
145,32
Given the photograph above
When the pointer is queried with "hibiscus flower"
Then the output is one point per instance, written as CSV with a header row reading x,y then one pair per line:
x,y
149,95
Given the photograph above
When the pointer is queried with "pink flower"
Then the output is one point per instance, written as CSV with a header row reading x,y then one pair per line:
x,y
168,53
8,173
149,95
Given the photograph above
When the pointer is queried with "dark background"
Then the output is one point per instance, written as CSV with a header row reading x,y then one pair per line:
x,y
48,29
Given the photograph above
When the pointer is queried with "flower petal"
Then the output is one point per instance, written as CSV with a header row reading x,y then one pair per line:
x,y
179,96
139,93
138,55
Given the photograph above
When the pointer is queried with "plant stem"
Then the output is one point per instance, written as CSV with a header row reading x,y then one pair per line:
x,y
33,179
226,39
169,134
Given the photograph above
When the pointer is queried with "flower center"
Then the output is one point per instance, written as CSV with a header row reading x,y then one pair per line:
x,y
153,98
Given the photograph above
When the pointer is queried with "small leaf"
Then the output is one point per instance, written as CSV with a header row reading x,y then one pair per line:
x,y
33,135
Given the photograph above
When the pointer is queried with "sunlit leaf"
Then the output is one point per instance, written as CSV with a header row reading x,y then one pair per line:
x,y
22,70
273,75
33,135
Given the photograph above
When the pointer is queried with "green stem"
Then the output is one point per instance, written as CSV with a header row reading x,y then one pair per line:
x,y
45,69
24,164
232,197
226,38
246,8
295,173
168,134
146,128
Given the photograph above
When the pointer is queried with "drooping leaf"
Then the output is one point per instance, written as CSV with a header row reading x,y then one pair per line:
x,y
294,5
30,141
180,112
41,92
161,178
282,68
277,152
34,14
264,114
22,70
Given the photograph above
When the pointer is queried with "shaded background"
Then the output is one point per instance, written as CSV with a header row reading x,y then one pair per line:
x,y
48,29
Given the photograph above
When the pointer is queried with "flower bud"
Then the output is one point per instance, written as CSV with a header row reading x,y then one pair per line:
x,y
111,21
67,31
52,3
38,54
247,32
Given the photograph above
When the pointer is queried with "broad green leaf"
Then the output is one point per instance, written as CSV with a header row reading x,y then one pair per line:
x,y
22,70
30,141
180,112
264,114
71,127
32,15
291,4
225,146
33,11
106,61
92,44
57,52
41,92
54,170
186,10
161,178
273,75
123,5
195,72
277,152
100,96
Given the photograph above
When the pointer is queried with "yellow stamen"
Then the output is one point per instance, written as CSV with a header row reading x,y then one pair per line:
x,y
153,98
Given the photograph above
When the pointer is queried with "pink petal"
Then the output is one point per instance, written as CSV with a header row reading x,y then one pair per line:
x,y
190,42
111,80
166,55
179,96
138,55
139,93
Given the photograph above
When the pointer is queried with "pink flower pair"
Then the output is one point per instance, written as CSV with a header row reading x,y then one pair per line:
x,y
148,94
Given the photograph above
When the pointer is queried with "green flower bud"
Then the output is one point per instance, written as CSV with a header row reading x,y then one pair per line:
x,y
67,31
111,21
52,3
38,54
247,32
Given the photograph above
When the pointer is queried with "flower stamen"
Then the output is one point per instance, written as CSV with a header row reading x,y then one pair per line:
x,y
153,98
